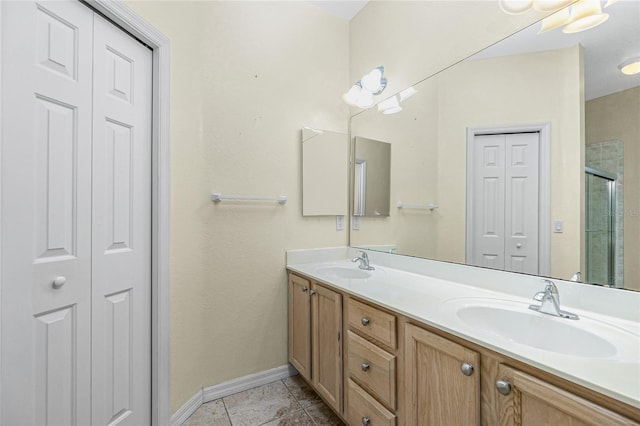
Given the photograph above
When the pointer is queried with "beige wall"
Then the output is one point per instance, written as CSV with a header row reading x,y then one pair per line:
x,y
245,78
617,117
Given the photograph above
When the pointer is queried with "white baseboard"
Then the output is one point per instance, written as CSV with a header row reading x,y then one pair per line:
x,y
187,409
221,390
247,382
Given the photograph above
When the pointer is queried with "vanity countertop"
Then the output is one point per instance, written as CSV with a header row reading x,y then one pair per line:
x,y
432,299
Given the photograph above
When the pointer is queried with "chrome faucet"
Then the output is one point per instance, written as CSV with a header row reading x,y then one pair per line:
x,y
364,261
550,302
576,277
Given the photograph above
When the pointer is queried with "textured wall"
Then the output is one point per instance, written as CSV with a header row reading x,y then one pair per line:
x,y
246,77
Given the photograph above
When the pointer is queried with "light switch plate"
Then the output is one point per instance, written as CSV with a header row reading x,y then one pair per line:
x,y
355,222
340,223
558,226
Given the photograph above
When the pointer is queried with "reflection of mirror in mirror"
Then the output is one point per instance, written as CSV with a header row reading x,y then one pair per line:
x,y
325,169
529,79
372,174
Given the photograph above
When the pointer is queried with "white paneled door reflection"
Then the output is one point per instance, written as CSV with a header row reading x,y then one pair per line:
x,y
505,195
76,218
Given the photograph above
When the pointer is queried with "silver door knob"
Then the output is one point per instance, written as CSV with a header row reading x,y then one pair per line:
x,y
365,321
467,369
312,292
364,366
504,387
366,421
58,282
304,289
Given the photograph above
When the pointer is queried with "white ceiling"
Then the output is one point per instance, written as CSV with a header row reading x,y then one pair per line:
x,y
605,47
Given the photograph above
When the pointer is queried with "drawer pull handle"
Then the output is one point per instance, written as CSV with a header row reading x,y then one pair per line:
x,y
365,322
364,366
467,369
366,421
504,387
304,289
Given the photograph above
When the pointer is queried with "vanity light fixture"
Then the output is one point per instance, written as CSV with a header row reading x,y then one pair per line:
x,y
630,66
361,94
390,105
575,16
585,14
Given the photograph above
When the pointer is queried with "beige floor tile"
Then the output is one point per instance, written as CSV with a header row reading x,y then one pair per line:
x,y
322,415
298,418
301,391
260,405
210,414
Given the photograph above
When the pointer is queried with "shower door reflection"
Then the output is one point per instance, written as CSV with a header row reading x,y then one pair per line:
x,y
600,227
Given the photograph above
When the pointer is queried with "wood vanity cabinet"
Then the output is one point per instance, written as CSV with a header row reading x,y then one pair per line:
x,y
315,337
370,370
397,371
529,401
442,380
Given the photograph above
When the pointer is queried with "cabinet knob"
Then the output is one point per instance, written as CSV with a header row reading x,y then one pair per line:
x,y
59,282
304,289
364,366
467,369
504,387
366,421
365,321
312,292
519,245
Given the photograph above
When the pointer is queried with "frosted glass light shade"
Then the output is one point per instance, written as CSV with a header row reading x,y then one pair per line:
x,y
365,99
389,104
550,5
585,14
373,80
351,97
630,67
407,93
585,23
555,20
514,7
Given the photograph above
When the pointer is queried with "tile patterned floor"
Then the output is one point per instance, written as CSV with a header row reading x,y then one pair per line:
x,y
285,402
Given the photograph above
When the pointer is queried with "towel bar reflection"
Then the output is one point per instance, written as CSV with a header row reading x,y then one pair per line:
x,y
217,197
402,205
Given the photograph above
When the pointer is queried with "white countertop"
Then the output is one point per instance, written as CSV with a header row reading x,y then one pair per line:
x,y
430,291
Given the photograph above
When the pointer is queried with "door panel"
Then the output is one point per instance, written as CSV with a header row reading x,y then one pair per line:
x,y
46,205
488,199
505,195
521,199
121,257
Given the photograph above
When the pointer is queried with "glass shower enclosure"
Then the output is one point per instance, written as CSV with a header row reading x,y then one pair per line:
x,y
600,190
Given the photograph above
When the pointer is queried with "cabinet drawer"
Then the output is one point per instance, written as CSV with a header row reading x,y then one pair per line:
x,y
364,410
373,368
372,322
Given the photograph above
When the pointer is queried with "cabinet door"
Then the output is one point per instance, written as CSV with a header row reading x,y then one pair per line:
x,y
530,401
442,380
327,344
300,325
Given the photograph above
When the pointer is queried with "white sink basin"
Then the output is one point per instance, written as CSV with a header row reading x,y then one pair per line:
x,y
344,272
514,322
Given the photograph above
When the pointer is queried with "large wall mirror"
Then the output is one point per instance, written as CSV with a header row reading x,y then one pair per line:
x,y
524,157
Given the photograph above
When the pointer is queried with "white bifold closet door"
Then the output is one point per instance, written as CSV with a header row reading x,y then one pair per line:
x,y
505,195
76,218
